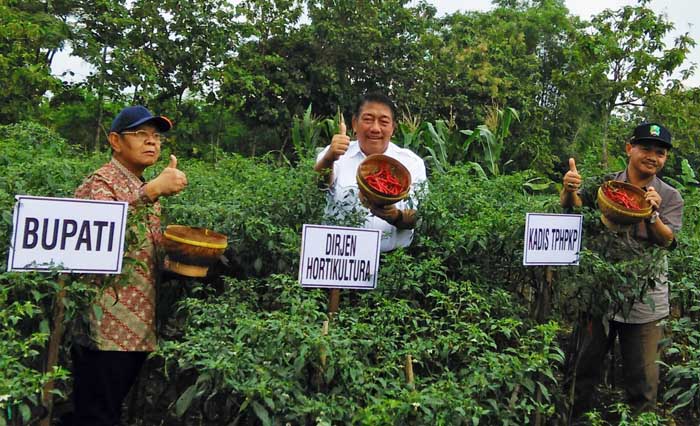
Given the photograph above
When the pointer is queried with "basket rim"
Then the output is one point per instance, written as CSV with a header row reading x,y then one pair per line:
x,y
609,204
194,271
373,158
193,242
363,185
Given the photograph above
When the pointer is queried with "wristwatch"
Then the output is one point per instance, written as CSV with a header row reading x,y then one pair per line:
x,y
653,217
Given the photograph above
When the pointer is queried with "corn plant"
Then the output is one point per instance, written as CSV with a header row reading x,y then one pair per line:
x,y
310,133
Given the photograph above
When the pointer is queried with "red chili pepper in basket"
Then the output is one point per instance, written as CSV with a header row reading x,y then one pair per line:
x,y
384,182
621,197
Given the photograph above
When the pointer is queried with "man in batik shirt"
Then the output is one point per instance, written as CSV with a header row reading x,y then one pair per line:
x,y
109,350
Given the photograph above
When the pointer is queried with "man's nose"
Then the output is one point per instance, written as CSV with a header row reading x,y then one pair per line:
x,y
151,138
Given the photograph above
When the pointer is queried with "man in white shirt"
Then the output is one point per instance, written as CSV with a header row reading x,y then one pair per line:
x,y
374,122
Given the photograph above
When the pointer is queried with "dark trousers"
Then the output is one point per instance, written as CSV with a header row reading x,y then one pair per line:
x,y
101,381
639,345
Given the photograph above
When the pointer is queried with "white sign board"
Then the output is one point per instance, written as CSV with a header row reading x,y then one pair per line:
x,y
339,257
552,239
66,234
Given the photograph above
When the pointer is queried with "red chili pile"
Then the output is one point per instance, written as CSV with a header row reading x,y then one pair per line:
x,y
383,181
621,197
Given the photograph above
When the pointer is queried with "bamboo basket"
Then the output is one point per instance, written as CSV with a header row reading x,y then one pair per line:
x,y
371,165
619,214
191,251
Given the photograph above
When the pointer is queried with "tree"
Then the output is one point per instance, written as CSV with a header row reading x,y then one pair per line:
x,y
98,28
506,58
182,43
678,109
31,34
620,60
372,45
284,65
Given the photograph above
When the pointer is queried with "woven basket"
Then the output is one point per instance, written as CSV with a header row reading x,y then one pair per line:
x,y
372,164
192,250
619,214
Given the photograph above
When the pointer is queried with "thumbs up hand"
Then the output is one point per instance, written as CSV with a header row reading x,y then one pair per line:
x,y
572,180
339,143
169,182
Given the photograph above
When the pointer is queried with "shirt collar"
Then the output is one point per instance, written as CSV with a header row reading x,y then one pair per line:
x,y
128,173
653,182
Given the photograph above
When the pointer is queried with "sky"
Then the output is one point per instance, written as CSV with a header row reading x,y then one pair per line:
x,y
683,13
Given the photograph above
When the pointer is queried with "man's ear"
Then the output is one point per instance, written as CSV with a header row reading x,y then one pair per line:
x,y
115,141
628,148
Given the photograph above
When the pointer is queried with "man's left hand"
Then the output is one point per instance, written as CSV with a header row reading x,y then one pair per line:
x,y
388,213
653,198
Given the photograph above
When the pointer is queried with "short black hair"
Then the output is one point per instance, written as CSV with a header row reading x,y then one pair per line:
x,y
377,97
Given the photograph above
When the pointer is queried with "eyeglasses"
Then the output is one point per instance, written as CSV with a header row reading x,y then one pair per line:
x,y
143,135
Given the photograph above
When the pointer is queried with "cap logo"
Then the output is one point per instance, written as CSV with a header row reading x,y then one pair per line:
x,y
654,130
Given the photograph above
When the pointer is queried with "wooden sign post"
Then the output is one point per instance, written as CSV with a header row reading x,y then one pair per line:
x,y
333,301
550,239
335,257
54,346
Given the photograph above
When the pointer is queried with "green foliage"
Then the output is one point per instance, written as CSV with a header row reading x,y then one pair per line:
x,y
684,388
439,143
21,380
260,203
683,357
31,34
35,161
309,133
614,271
246,344
460,222
442,144
234,76
620,61
467,353
625,417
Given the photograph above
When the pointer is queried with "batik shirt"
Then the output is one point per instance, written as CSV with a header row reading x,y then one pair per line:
x,y
127,301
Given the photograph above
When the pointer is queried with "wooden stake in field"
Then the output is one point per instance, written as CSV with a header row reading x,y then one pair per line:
x,y
409,372
333,302
542,312
54,346
324,332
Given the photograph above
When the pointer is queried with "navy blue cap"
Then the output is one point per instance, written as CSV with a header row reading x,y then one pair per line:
x,y
652,132
134,116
